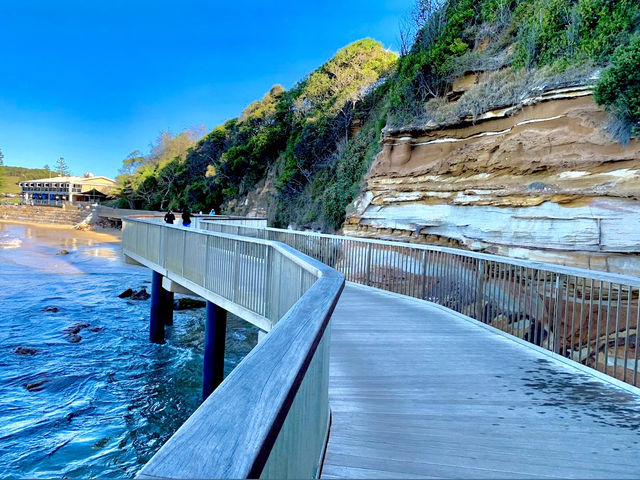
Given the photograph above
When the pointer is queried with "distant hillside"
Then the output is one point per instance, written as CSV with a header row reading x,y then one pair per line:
x,y
294,140
10,176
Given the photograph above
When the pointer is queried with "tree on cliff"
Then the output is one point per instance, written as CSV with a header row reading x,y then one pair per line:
x,y
61,167
619,87
147,180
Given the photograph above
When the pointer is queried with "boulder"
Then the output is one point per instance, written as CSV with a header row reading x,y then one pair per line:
x,y
35,386
140,295
188,303
25,351
75,328
126,294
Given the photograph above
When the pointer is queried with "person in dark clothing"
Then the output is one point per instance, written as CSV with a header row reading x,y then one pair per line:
x,y
186,217
169,217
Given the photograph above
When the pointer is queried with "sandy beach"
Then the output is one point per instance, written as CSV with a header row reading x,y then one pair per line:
x,y
56,232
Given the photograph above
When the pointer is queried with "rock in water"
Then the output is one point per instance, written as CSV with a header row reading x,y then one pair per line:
x,y
74,338
50,309
75,328
63,252
126,294
100,443
140,295
188,303
25,351
36,386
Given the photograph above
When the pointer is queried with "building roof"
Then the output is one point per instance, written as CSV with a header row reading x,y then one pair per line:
x,y
80,180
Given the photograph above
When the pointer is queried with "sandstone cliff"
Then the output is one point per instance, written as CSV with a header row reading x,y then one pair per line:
x,y
542,180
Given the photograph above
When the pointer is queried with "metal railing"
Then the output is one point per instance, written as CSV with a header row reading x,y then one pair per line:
x,y
270,416
588,316
231,220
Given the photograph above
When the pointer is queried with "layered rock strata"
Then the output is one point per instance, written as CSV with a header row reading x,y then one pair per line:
x,y
542,181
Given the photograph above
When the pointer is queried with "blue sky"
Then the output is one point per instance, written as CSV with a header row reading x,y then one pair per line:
x,y
94,80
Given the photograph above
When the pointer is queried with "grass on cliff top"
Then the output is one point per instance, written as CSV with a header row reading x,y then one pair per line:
x,y
11,176
556,37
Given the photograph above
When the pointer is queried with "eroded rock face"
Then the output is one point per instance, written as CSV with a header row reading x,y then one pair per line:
x,y
544,182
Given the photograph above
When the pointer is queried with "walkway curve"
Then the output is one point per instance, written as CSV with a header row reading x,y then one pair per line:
x,y
417,392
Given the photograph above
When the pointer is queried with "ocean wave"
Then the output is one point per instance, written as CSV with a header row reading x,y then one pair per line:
x,y
10,243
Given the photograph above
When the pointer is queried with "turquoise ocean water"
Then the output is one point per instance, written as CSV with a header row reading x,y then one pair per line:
x,y
103,405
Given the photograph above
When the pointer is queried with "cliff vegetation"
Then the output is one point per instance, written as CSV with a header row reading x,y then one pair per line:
x,y
300,155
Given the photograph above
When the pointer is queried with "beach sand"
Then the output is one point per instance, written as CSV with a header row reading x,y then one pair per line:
x,y
53,233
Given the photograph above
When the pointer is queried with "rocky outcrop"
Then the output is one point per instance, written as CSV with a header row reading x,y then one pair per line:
x,y
542,180
141,294
25,351
254,203
186,303
126,294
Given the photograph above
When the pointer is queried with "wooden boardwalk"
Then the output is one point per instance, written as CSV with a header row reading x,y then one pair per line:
x,y
417,392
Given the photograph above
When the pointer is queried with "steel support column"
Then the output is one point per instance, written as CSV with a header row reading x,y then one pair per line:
x,y
214,333
156,321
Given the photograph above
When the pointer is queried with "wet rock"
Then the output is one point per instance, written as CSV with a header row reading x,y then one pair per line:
x,y
126,294
188,303
36,386
96,329
50,309
74,338
75,328
25,351
141,295
100,443
63,252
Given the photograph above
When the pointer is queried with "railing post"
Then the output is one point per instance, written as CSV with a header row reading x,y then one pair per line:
x,y
368,274
267,284
184,250
235,271
162,249
214,335
480,291
556,317
206,259
156,320
424,275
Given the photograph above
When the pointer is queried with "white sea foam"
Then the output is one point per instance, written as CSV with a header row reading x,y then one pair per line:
x,y
10,243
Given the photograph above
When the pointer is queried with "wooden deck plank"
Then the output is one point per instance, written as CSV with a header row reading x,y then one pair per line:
x,y
415,391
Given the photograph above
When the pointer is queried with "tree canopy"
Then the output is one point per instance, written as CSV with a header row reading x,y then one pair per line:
x,y
61,167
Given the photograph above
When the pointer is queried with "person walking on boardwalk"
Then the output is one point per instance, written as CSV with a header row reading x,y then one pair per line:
x,y
186,217
169,217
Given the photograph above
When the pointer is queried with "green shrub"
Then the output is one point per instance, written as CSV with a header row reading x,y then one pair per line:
x,y
619,86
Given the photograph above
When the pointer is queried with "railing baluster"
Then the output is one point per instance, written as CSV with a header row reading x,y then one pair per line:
x,y
626,333
635,366
517,290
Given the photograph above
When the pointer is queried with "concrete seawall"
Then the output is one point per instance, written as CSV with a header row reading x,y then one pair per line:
x,y
43,215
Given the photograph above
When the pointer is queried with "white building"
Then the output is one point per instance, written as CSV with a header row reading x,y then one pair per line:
x,y
56,191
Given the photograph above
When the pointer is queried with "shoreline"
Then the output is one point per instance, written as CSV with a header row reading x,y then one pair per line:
x,y
103,234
